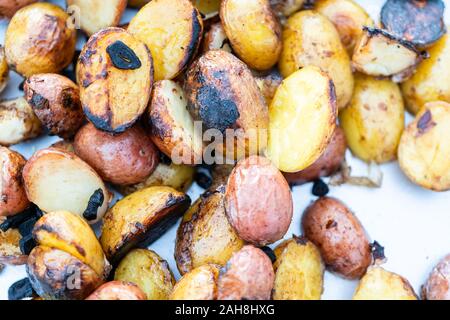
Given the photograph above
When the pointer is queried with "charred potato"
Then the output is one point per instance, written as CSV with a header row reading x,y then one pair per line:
x,y
298,271
96,14
10,252
321,48
13,198
437,286
58,180
253,30
118,290
220,175
216,39
148,271
4,70
39,40
17,122
304,106
379,284
268,83
205,236
248,275
140,218
340,237
374,121
8,8
55,100
424,150
264,221
174,39
198,284
123,159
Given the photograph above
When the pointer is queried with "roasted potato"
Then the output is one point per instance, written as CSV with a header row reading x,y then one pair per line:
x,y
268,83
264,221
216,39
340,237
205,236
148,271
431,81
4,69
379,284
424,150
298,271
65,145
304,106
123,159
374,121
248,275
13,198
173,39
137,3
140,218
8,8
114,70
437,286
38,40
253,30
55,100
220,175
118,290
58,180
97,14
172,127
9,247
284,8
321,48
208,8
198,284
17,122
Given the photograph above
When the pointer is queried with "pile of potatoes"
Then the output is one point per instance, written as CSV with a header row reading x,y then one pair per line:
x,y
288,89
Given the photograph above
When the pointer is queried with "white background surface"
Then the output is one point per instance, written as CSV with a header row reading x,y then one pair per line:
x,y
412,224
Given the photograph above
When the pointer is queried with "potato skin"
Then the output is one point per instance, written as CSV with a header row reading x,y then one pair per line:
x,y
13,198
39,41
198,284
123,159
248,275
264,221
284,8
8,8
4,70
340,237
437,286
118,290
268,83
55,100
216,39
10,252
148,271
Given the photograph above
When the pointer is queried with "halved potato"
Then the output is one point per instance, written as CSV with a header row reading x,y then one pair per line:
x,y
302,119
57,180
9,247
209,8
115,73
4,70
172,30
199,284
216,39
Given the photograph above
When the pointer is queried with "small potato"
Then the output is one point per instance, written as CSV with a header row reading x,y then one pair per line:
x,y
284,8
304,106
55,100
8,8
437,286
248,275
39,40
374,121
268,83
253,30
141,218
148,271
298,271
321,48
205,236
173,39
216,39
64,145
329,162
10,248
379,284
4,70
208,8
118,290
348,17
18,122
340,237
13,198
266,220
431,81
115,73
172,127
424,150
220,175
58,180
98,14
198,284
123,159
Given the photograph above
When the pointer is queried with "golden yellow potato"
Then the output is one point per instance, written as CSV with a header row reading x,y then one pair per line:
x,y
148,271
208,8
198,284
302,119
172,30
4,70
374,120
298,271
38,40
321,47
424,150
253,31
10,247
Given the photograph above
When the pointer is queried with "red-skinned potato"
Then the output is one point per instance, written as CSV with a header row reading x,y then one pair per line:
x,y
118,290
8,7
437,286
